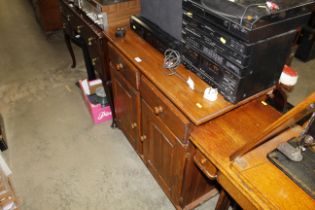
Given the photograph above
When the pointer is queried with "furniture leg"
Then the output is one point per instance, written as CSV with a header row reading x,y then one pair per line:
x,y
86,55
88,62
108,90
69,46
224,201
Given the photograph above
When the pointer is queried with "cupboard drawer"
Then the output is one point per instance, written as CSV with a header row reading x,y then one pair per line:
x,y
67,15
90,34
124,67
93,42
78,24
97,62
205,165
165,110
72,19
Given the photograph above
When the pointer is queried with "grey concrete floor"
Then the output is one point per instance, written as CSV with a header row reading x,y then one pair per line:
x,y
59,159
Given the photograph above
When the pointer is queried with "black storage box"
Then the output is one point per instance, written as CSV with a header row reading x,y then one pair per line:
x,y
306,50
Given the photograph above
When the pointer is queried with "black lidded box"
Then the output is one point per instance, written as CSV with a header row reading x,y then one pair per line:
x,y
251,20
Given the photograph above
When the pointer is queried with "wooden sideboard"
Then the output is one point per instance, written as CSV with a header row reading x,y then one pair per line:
x,y
183,139
157,113
166,121
48,14
158,131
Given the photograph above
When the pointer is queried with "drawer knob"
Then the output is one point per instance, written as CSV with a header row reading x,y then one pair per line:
x,y
134,125
158,110
79,29
143,138
94,60
119,66
90,40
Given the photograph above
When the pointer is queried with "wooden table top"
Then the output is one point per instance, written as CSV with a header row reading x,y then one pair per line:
x,y
190,102
262,183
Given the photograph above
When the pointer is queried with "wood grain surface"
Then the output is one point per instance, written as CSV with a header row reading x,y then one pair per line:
x,y
175,88
304,108
253,181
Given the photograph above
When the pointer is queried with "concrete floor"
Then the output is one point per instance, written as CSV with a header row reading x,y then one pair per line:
x,y
59,159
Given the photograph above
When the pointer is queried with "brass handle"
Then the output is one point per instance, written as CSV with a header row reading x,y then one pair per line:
x,y
211,176
143,138
119,66
79,29
158,110
90,40
134,125
68,17
94,61
203,161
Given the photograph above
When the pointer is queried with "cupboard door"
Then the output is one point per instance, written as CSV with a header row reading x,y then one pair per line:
x,y
165,110
125,100
159,147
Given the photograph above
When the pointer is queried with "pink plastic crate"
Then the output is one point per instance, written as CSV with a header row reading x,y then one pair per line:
x,y
99,114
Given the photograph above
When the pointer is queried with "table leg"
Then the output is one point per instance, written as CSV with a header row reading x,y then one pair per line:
x,y
88,63
108,90
69,46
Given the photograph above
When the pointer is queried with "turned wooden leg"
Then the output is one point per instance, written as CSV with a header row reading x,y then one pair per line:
x,y
224,201
87,60
108,90
69,46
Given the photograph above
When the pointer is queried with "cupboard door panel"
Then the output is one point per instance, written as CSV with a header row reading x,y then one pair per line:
x,y
159,148
165,110
125,100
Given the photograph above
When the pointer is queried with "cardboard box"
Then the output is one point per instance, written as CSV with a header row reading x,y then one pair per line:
x,y
99,114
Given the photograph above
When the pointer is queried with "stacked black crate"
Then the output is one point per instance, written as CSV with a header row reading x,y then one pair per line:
x,y
239,47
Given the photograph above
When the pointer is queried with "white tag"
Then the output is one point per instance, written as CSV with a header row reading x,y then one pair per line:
x,y
77,36
138,59
211,94
191,83
95,82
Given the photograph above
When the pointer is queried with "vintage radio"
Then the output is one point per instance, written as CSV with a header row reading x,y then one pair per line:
x,y
240,46
261,55
232,86
109,12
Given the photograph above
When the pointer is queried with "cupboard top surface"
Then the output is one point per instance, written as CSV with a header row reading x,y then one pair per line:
x,y
255,177
175,88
